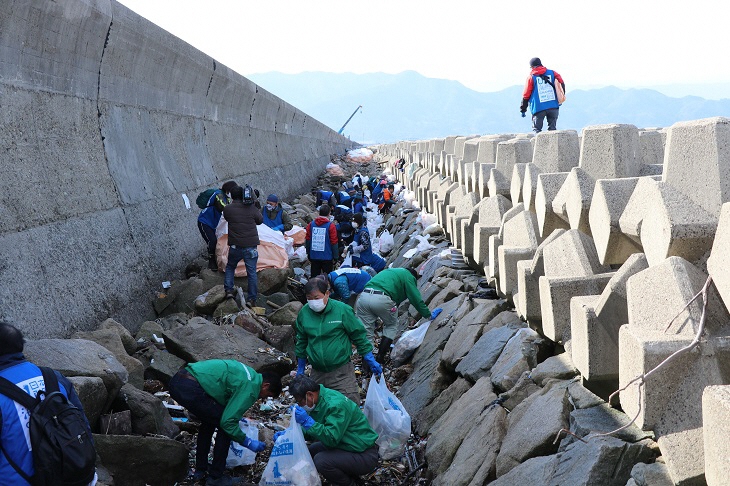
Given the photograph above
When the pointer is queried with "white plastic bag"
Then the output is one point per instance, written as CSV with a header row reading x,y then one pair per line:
x,y
408,343
388,417
386,242
239,455
300,254
347,262
290,462
427,219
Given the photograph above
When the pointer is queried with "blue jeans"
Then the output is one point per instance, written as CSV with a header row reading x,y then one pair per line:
x,y
250,257
539,117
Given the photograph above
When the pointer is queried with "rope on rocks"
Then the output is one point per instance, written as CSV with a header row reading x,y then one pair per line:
x,y
640,380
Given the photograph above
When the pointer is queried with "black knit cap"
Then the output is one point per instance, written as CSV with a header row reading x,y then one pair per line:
x,y
535,61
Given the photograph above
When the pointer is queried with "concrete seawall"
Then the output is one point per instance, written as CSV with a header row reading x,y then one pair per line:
x,y
105,121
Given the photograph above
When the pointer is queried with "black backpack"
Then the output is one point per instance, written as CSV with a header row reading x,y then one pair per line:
x,y
63,450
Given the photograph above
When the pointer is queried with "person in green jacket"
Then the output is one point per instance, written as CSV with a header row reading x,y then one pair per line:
x,y
381,297
326,330
218,392
345,443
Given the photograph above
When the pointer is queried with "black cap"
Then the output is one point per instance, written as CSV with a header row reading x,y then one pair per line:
x,y
535,61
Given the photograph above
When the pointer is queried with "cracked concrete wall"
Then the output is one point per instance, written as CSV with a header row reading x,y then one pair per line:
x,y
105,120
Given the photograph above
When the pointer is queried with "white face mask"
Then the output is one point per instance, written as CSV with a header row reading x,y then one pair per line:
x,y
316,305
332,218
269,207
307,408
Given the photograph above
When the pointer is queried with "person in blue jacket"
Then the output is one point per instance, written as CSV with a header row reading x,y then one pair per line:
x,y
324,197
209,218
358,204
274,215
14,419
347,283
541,95
361,248
322,243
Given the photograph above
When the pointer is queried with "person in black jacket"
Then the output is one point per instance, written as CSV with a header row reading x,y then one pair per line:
x,y
243,238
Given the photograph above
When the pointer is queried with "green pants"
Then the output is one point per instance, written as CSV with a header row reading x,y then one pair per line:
x,y
371,306
342,379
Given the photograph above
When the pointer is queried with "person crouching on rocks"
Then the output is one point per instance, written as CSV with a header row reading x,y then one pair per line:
x,y
326,330
345,446
219,392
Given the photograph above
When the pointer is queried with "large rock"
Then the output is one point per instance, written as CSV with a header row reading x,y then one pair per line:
x,y
110,339
206,303
521,353
485,352
601,419
130,345
537,470
286,315
199,341
469,329
474,462
93,396
558,367
533,425
272,280
450,430
148,330
163,365
149,415
426,382
282,338
78,357
424,420
142,461
179,297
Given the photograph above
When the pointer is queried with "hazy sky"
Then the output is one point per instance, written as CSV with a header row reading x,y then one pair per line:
x,y
484,44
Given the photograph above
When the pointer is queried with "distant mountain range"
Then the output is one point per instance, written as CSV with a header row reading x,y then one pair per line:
x,y
409,106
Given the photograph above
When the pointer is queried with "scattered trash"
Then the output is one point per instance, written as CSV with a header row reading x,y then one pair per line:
x,y
166,284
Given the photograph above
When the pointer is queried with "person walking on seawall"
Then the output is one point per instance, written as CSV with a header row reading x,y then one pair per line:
x,y
14,419
361,248
274,215
541,95
326,330
347,283
380,299
345,446
243,238
322,243
210,216
219,392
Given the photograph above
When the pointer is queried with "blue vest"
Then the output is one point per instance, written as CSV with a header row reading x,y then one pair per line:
x,y
367,257
324,197
321,248
343,198
210,216
15,422
358,207
356,278
543,95
276,223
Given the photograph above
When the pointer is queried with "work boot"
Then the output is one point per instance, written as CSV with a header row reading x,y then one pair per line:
x,y
383,350
212,264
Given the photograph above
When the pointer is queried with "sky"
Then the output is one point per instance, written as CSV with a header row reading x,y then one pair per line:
x,y
486,45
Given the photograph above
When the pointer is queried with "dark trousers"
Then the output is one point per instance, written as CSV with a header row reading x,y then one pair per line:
x,y
342,467
186,391
208,234
250,257
321,266
552,119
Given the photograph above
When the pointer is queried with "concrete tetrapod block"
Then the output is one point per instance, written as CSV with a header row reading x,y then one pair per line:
x,y
670,398
651,147
610,151
518,176
556,151
519,242
716,430
443,201
677,227
463,211
527,300
719,260
509,153
700,147
548,186
643,197
484,221
482,178
495,241
578,191
529,186
498,184
555,295
572,254
437,194
610,197
595,322
455,198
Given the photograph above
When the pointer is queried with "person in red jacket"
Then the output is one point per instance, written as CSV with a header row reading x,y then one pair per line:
x,y
541,95
322,243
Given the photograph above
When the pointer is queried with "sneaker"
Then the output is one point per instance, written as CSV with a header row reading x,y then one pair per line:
x,y
224,481
199,475
230,294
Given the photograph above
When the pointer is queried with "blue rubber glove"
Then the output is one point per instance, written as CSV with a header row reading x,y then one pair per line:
x,y
436,313
254,445
278,434
372,364
302,417
301,364
523,114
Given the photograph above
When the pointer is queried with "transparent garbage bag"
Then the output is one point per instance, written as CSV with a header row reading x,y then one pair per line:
x,y
290,462
408,343
388,417
239,455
